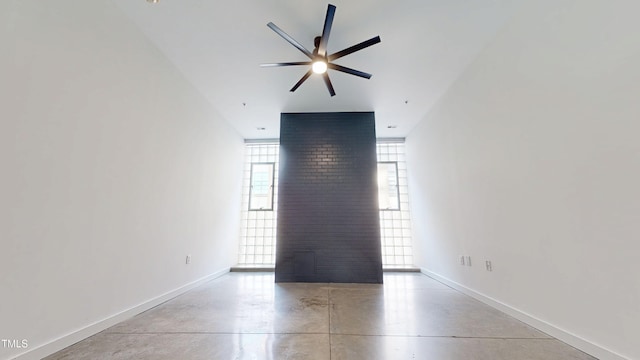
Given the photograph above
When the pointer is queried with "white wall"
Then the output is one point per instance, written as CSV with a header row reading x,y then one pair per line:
x,y
113,169
532,160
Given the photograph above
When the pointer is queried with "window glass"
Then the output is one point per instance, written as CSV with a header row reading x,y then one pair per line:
x,y
395,224
388,192
261,188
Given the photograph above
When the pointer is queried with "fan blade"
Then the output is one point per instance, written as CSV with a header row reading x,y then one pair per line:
x,y
304,78
347,70
325,76
291,40
326,30
287,64
354,48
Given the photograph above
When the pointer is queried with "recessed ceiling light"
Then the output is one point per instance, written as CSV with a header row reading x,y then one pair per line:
x,y
392,126
153,1
261,128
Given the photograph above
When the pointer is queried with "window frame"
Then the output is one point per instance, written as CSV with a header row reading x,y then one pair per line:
x,y
397,186
271,187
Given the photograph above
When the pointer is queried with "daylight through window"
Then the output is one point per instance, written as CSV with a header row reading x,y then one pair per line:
x,y
393,197
259,205
261,186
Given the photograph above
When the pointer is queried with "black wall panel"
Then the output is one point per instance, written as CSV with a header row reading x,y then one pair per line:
x,y
328,222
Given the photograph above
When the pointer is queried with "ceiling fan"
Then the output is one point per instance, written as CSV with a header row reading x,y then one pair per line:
x,y
320,61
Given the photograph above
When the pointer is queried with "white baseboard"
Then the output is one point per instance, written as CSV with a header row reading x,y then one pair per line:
x,y
560,334
72,338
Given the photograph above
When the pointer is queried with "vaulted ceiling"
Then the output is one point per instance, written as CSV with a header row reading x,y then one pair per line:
x,y
219,45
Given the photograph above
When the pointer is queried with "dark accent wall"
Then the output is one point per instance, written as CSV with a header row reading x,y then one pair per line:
x,y
328,221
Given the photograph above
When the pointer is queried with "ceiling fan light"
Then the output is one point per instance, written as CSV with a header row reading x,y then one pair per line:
x,y
319,67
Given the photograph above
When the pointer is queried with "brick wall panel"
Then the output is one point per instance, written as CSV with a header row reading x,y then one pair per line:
x,y
328,222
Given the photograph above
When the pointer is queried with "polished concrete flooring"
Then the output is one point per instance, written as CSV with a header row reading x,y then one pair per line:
x,y
248,316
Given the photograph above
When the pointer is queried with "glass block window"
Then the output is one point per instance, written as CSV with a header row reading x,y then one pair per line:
x,y
393,196
259,205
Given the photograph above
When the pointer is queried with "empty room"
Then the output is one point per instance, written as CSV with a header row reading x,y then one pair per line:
x,y
435,179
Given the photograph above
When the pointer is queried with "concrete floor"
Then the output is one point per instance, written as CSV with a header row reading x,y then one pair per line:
x,y
247,316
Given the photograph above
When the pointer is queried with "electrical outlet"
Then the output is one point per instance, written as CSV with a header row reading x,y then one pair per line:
x,y
461,260
468,260
488,264
188,259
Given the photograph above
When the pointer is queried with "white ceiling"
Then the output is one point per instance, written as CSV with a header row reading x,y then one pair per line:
x,y
218,46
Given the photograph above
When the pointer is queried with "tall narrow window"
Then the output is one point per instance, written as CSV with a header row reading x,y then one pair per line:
x,y
388,191
393,197
259,204
261,189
